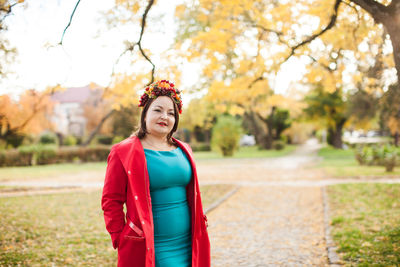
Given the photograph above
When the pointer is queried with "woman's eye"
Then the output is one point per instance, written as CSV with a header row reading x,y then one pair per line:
x,y
171,114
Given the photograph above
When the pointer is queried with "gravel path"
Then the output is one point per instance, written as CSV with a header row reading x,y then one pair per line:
x,y
267,223
269,226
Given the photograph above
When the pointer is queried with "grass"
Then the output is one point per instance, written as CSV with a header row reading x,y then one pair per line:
x,y
45,171
41,172
341,163
366,223
62,229
246,152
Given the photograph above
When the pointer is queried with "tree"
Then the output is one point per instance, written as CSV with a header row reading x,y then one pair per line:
x,y
28,115
390,114
125,121
332,109
7,51
226,134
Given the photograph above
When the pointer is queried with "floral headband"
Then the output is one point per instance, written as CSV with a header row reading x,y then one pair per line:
x,y
161,88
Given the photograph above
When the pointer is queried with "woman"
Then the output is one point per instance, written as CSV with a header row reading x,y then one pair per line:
x,y
155,176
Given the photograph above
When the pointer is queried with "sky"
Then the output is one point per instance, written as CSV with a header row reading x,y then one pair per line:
x,y
90,47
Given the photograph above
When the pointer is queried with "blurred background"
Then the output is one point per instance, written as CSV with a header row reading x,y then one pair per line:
x,y
278,72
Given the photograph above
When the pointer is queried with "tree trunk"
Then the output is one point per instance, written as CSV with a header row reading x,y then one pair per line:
x,y
255,128
337,141
97,129
396,139
389,16
393,28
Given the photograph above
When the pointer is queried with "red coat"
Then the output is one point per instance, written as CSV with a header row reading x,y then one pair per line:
x,y
127,181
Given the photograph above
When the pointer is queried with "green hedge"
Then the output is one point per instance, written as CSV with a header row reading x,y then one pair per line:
x,y
383,155
49,154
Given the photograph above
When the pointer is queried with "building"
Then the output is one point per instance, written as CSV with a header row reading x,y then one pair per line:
x,y
68,116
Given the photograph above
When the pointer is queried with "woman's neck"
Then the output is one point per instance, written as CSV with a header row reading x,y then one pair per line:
x,y
153,139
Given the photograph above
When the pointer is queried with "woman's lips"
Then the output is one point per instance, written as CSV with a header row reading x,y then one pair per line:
x,y
162,124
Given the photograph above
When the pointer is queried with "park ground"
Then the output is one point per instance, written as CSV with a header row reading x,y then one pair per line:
x,y
304,206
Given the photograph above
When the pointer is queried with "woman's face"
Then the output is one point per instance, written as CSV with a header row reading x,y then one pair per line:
x,y
160,117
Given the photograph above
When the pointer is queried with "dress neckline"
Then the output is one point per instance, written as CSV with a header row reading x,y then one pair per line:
x,y
161,150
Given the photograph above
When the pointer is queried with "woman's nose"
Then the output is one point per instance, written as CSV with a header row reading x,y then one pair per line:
x,y
164,115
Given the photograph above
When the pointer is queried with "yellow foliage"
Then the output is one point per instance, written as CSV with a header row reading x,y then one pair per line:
x,y
394,124
29,114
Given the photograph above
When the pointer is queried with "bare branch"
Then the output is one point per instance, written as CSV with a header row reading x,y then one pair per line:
x,y
314,36
254,81
69,23
139,43
8,12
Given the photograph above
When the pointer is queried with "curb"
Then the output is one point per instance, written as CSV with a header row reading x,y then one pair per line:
x,y
333,257
221,200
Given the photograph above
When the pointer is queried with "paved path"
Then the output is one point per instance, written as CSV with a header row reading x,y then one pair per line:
x,y
267,223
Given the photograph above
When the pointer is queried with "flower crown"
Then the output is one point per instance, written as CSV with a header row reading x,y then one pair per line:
x,y
161,88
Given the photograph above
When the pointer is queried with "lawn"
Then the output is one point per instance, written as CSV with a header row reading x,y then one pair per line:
x,y
247,152
46,171
62,229
97,169
341,163
365,221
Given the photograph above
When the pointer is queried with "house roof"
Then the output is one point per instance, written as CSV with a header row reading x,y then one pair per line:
x,y
74,94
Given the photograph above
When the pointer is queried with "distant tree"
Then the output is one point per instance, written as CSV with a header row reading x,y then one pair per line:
x,y
7,51
125,121
330,108
390,114
28,115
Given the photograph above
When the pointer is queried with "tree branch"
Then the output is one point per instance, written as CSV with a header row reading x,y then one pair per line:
x,y
69,23
139,43
374,8
7,11
314,36
132,46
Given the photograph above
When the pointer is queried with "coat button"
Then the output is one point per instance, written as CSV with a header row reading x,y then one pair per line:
x,y
136,198
148,248
129,172
142,222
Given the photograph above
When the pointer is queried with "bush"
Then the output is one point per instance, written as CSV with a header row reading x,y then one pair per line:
x,y
382,155
226,135
104,139
117,139
15,140
70,140
50,154
278,145
39,154
48,138
200,147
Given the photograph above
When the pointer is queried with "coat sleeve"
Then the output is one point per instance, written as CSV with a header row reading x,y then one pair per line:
x,y
114,196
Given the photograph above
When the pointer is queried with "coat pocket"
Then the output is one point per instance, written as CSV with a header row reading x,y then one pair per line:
x,y
133,232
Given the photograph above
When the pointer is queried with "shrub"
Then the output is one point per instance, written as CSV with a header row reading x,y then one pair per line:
x,y
48,138
39,154
70,140
382,155
226,134
15,140
278,145
200,147
117,139
50,154
104,139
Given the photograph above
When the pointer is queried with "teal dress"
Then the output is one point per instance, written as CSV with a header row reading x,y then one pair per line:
x,y
169,174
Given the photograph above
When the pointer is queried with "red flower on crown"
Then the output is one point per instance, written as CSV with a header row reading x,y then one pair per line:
x,y
161,88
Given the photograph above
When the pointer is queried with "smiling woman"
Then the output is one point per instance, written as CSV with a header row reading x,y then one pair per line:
x,y
154,174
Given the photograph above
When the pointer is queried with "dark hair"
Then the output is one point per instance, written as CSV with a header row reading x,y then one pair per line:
x,y
141,133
